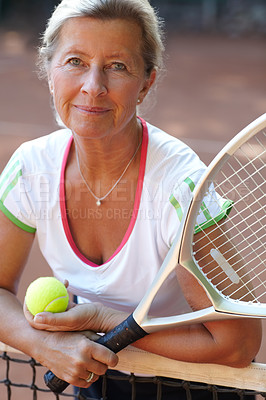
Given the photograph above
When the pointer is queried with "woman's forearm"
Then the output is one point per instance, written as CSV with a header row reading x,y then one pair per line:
x,y
70,355
233,342
14,329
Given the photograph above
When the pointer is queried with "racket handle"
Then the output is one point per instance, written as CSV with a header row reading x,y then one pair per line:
x,y
117,339
122,335
55,384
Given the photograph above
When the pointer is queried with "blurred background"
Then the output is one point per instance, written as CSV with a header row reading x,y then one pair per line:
x,y
214,84
215,70
233,17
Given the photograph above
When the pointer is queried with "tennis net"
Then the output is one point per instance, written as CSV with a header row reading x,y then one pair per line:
x,y
21,378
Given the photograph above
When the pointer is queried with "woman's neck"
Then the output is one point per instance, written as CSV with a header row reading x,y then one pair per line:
x,y
107,158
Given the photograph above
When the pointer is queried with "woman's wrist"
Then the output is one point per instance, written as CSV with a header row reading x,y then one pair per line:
x,y
109,318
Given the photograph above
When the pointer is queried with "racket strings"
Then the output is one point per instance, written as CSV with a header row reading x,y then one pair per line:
x,y
255,292
248,180
242,180
248,274
244,167
229,259
249,240
242,183
240,232
256,153
229,179
216,272
243,198
240,271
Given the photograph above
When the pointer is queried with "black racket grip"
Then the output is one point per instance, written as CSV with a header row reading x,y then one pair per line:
x,y
122,335
117,339
55,384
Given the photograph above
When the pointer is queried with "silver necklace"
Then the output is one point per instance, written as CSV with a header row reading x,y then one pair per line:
x,y
99,199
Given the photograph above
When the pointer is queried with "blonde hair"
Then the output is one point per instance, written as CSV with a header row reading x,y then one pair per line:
x,y
139,11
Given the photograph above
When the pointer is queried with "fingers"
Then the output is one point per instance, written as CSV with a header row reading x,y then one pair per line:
x,y
91,335
81,317
82,358
52,322
76,318
97,367
87,382
27,314
34,322
104,355
97,360
66,283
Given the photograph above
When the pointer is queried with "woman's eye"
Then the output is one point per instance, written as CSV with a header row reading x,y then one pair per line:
x,y
118,66
76,62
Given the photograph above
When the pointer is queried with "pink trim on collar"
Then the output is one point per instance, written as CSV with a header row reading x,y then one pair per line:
x,y
66,227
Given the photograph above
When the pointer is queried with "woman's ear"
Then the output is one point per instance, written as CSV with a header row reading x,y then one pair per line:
x,y
51,87
147,85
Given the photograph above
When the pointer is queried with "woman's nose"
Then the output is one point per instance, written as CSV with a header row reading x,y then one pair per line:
x,y
94,82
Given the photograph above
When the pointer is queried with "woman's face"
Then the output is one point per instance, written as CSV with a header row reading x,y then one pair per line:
x,y
97,75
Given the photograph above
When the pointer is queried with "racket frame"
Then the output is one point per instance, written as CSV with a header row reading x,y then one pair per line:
x,y
221,304
180,253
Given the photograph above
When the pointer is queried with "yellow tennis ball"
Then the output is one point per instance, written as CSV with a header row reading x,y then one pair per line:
x,y
46,294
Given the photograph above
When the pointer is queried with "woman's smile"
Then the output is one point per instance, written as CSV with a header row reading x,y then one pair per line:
x,y
92,111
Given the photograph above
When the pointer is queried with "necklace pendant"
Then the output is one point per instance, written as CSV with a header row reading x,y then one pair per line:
x,y
98,200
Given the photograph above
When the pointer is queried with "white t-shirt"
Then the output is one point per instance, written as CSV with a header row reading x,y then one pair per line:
x,y
32,195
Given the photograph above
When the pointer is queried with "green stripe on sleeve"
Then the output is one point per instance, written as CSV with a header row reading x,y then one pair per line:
x,y
203,207
226,208
16,221
190,183
11,185
7,172
205,211
177,206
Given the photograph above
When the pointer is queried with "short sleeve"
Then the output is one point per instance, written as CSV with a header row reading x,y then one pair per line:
x,y
213,208
14,194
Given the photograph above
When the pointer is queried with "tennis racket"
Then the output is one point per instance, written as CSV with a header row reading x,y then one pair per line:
x,y
226,253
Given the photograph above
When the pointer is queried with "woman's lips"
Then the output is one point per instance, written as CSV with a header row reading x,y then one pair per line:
x,y
93,110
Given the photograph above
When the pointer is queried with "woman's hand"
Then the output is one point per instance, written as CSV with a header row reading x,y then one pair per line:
x,y
69,349
73,319
71,356
82,317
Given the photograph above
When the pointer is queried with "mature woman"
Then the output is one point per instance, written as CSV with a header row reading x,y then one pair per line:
x,y
96,194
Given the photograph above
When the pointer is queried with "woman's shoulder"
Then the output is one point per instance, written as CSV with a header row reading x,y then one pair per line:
x,y
168,153
50,142
45,152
